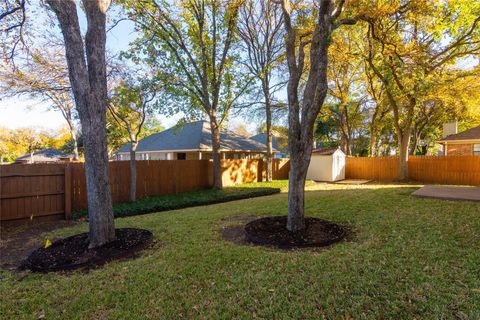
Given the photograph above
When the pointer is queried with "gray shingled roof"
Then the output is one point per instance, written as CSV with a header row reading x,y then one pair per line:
x,y
262,138
47,155
193,136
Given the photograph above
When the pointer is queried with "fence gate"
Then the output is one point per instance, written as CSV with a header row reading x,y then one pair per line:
x,y
35,190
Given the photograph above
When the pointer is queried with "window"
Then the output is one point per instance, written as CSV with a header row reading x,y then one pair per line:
x,y
181,156
476,149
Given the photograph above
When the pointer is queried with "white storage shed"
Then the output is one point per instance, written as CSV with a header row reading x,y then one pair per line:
x,y
327,165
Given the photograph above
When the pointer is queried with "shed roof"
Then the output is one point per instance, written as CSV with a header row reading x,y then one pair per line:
x,y
325,151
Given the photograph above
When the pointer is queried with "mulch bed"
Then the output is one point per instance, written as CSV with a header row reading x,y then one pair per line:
x,y
18,240
73,252
272,231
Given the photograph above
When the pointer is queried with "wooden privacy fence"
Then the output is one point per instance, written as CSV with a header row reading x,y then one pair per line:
x,y
41,190
374,168
462,170
53,190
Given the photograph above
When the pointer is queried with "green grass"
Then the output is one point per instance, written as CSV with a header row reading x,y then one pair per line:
x,y
194,198
412,258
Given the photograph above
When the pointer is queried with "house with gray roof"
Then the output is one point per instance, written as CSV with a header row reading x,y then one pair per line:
x,y
192,141
44,156
281,152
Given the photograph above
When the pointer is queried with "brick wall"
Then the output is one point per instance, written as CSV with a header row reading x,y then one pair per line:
x,y
459,149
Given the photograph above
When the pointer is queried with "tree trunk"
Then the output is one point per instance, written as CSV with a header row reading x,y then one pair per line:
x,y
299,162
75,146
100,212
268,113
73,137
372,144
133,171
89,85
217,170
348,146
403,145
301,117
415,141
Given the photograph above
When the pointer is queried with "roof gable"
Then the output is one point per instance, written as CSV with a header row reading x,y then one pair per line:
x,y
326,151
43,155
193,136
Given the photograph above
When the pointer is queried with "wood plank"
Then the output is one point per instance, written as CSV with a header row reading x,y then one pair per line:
x,y
30,194
68,192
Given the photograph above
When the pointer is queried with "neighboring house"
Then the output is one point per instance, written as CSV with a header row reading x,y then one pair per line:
x,y
262,138
44,156
192,141
460,144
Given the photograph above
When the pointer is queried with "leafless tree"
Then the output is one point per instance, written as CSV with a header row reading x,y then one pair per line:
x,y
12,22
42,75
260,28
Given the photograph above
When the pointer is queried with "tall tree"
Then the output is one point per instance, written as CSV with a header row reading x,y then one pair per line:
x,y
412,45
302,112
42,75
193,42
378,110
260,28
88,79
13,18
129,107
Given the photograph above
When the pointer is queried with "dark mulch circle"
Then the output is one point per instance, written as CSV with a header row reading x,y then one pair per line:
x,y
272,231
73,252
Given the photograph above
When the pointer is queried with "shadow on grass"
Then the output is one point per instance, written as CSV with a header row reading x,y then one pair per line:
x,y
184,200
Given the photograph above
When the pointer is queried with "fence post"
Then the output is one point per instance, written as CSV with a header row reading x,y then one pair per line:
x,y
260,170
68,192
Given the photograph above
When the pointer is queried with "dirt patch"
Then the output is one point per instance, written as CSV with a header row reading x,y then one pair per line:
x,y
73,252
235,232
272,231
18,241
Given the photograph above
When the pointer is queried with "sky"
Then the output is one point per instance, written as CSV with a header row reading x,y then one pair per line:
x,y
21,112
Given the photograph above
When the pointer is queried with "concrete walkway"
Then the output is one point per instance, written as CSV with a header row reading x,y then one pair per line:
x,y
449,192
353,181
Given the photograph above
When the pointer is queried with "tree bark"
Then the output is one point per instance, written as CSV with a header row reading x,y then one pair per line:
x,y
301,118
404,141
133,171
299,161
89,85
217,169
73,137
268,113
372,143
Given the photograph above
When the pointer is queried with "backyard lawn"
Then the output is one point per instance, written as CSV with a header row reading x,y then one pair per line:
x,y
410,258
